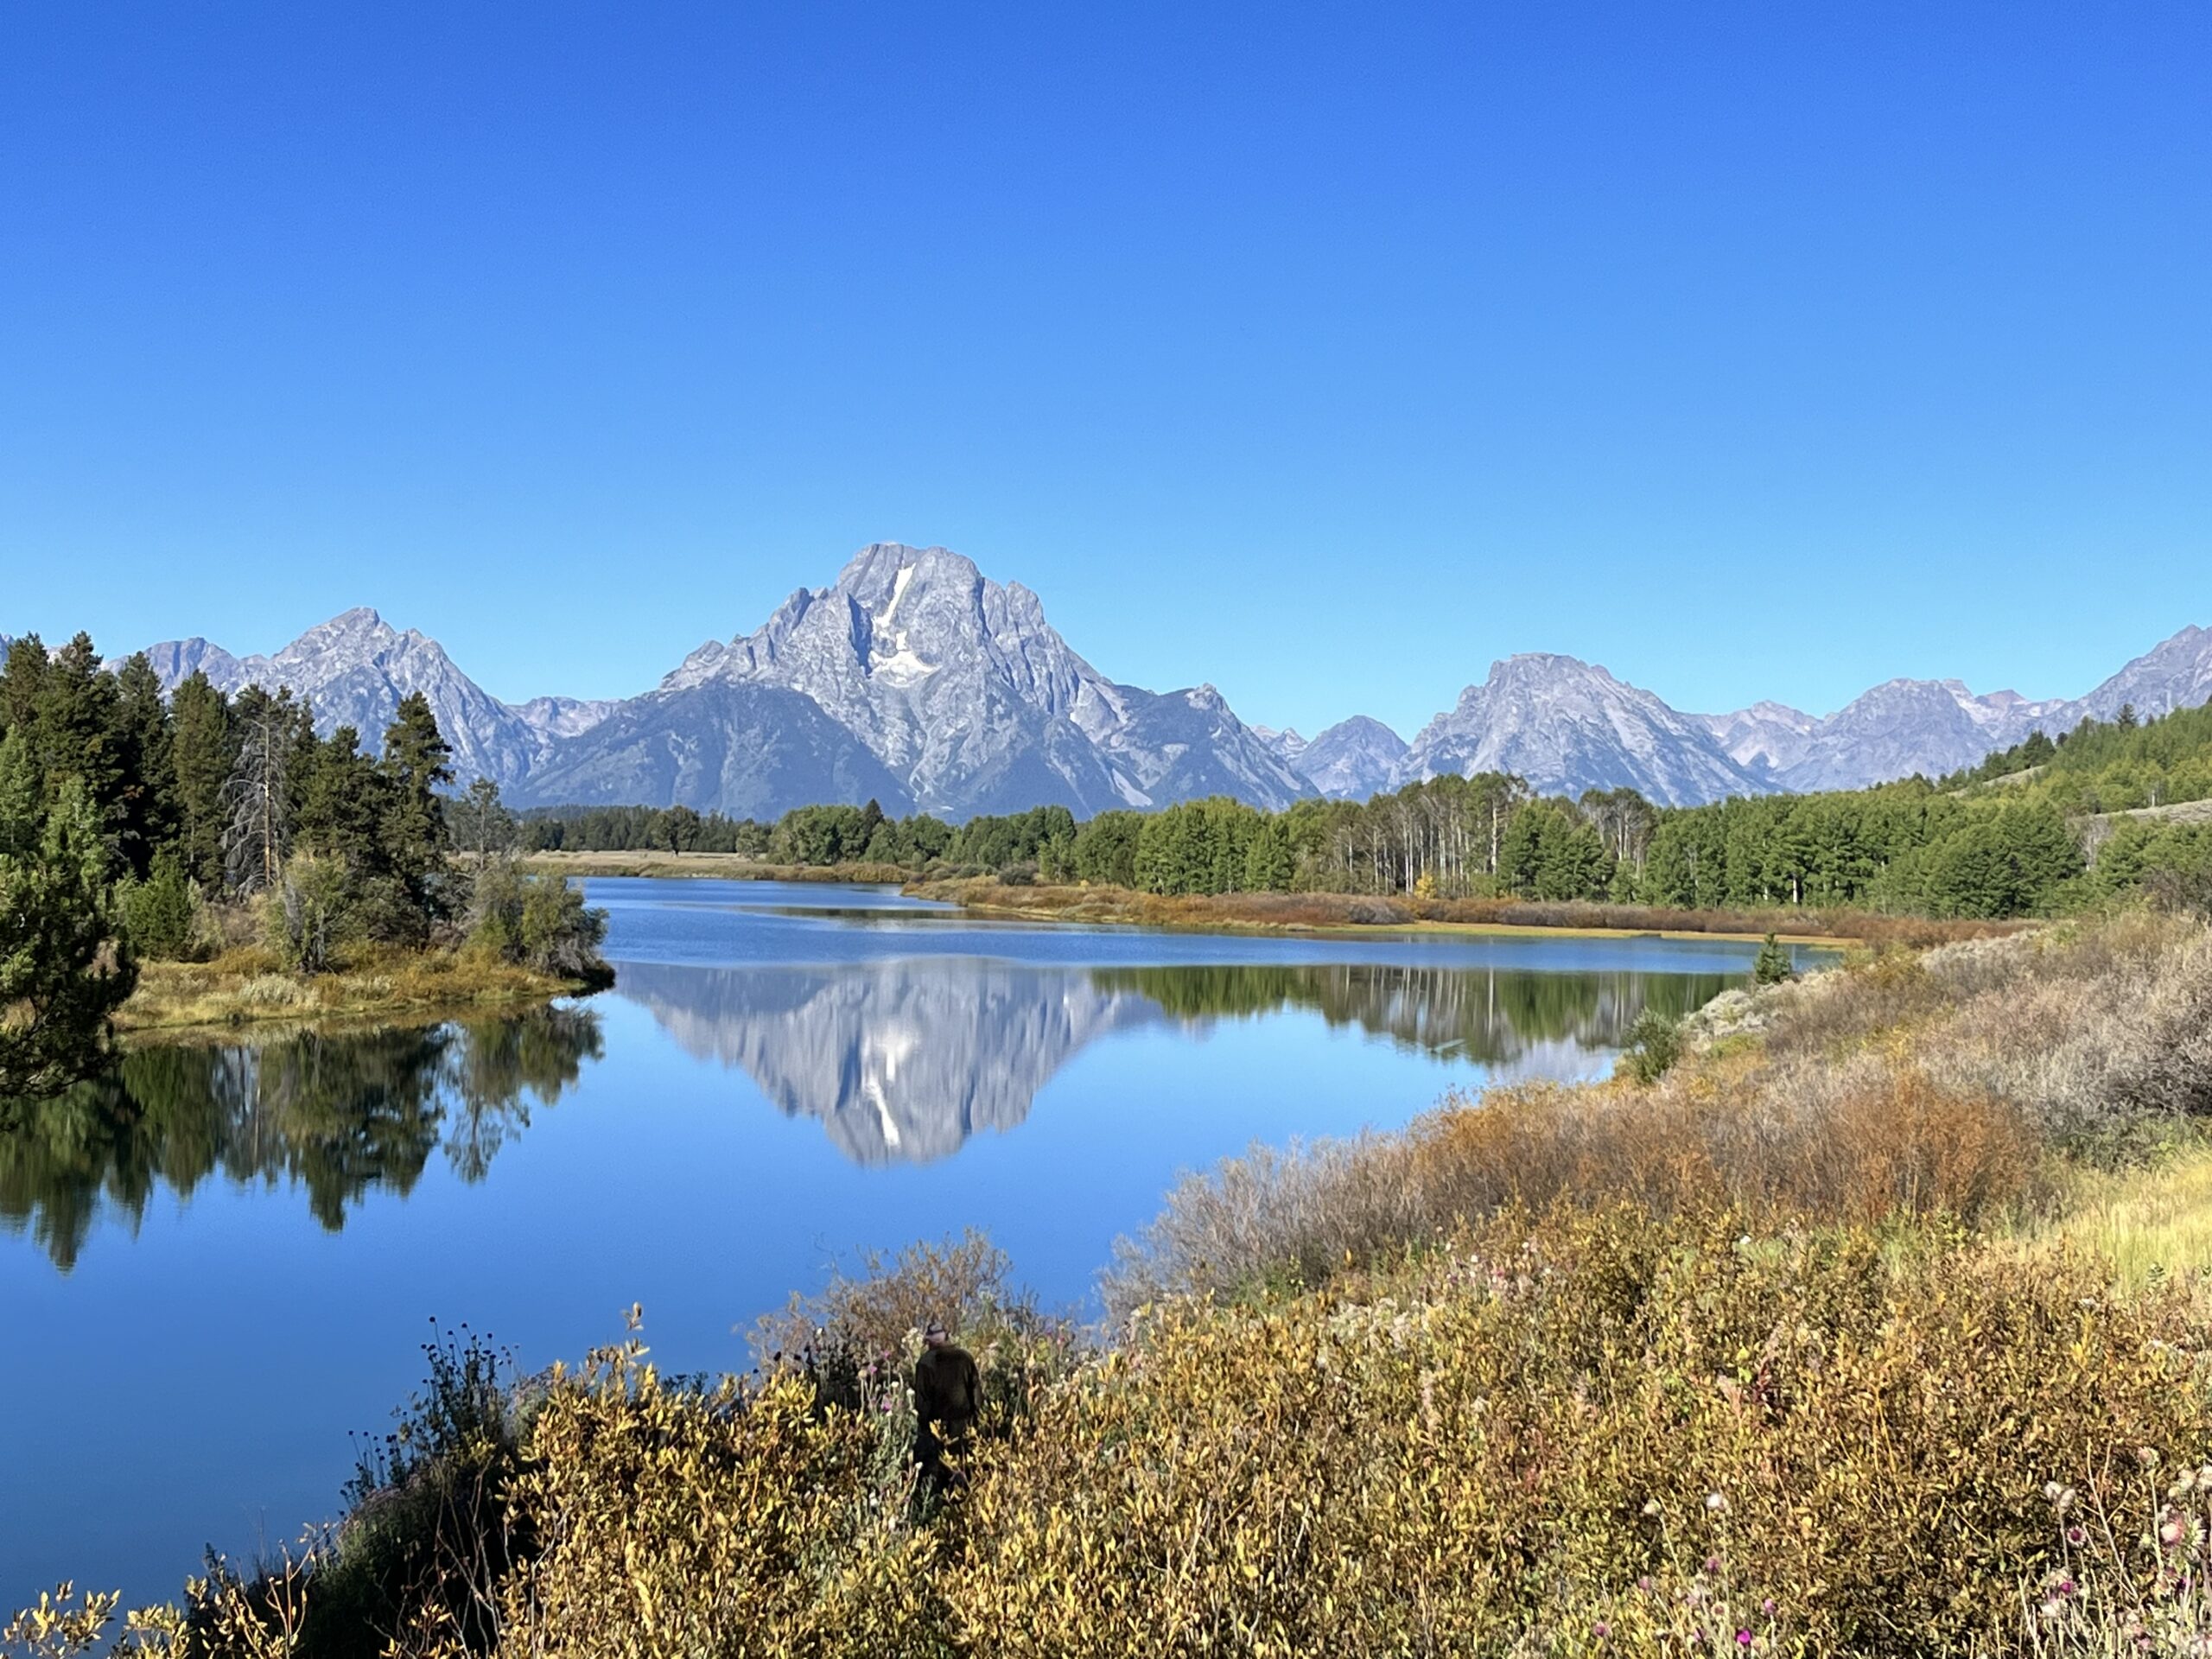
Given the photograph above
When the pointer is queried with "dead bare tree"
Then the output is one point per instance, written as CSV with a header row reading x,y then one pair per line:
x,y
256,833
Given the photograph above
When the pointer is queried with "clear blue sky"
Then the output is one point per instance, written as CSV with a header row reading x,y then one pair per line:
x,y
1325,351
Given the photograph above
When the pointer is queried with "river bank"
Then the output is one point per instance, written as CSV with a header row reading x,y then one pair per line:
x,y
1303,913
718,867
1348,912
247,985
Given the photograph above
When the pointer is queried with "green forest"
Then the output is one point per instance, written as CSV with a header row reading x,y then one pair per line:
x,y
135,827
2030,831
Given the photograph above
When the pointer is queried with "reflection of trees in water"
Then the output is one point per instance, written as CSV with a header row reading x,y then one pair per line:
x,y
335,1114
904,1060
1488,1016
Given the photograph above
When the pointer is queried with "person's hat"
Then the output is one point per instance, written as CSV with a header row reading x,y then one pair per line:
x,y
935,1332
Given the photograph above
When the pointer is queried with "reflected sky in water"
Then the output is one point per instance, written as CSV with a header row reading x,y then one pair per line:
x,y
224,1258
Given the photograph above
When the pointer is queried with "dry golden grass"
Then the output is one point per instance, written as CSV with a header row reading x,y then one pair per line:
x,y
247,984
2150,1223
1954,1082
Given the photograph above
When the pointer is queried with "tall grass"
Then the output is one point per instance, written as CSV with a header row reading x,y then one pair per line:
x,y
1912,1086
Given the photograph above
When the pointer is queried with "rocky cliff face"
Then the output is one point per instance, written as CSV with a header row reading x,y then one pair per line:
x,y
1566,726
1353,759
962,694
1934,726
356,669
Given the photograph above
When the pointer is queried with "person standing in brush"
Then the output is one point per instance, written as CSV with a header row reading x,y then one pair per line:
x,y
948,1396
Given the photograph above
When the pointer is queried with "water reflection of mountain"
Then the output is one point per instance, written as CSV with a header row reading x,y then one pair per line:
x,y
903,1060
335,1114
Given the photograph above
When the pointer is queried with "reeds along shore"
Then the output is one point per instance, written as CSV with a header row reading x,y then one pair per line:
x,y
1325,910
1815,1344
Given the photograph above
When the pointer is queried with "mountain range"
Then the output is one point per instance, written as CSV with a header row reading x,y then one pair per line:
x,y
916,681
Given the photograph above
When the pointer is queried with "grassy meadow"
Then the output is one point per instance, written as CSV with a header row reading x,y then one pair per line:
x,y
1862,1314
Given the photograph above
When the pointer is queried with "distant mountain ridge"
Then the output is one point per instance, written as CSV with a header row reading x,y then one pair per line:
x,y
916,681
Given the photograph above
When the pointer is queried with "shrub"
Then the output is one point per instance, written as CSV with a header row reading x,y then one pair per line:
x,y
1654,1044
539,922
1773,964
310,913
1878,1139
161,915
429,1533
861,1333
1508,1438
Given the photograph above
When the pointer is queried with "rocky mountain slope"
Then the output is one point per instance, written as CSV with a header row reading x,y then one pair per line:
x,y
1349,761
1934,726
357,667
1566,726
918,681
964,698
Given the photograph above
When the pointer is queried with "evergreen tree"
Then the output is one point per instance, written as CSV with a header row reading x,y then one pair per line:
x,y
342,804
79,734
22,688
204,752
414,834
151,813
64,966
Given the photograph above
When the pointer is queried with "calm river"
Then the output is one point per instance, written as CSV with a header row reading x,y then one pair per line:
x,y
217,1264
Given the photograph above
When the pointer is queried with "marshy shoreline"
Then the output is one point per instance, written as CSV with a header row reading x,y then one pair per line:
x,y
1824,1325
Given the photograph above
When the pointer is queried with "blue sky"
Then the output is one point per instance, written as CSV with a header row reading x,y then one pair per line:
x,y
1327,353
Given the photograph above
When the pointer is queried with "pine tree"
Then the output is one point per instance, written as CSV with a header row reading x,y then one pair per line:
x,y
64,966
342,806
151,813
204,752
415,841
77,733
22,687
